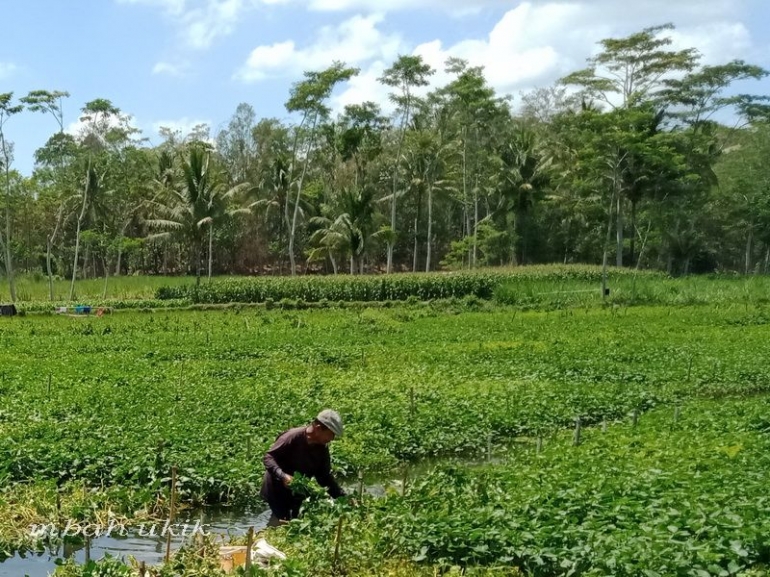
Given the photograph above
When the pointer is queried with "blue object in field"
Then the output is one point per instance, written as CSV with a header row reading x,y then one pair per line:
x,y
82,310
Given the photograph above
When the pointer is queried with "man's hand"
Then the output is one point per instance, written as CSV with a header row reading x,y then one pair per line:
x,y
287,479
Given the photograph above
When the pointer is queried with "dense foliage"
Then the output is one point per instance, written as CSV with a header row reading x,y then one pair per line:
x,y
455,177
422,287
115,402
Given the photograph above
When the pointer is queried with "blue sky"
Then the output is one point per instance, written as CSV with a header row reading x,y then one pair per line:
x,y
181,62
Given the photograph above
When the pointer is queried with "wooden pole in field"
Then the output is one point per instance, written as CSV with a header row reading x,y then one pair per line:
x,y
576,440
361,484
171,513
337,545
249,544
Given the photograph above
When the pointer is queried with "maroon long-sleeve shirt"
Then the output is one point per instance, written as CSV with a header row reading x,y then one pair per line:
x,y
291,453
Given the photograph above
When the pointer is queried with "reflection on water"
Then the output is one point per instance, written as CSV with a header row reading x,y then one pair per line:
x,y
225,521
150,549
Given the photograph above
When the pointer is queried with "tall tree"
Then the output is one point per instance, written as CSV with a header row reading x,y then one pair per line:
x,y
633,69
406,74
630,72
524,175
51,102
236,145
478,113
194,204
8,109
309,97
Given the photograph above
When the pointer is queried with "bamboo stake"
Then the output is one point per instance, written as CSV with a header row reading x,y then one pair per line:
x,y
171,513
337,543
576,440
249,544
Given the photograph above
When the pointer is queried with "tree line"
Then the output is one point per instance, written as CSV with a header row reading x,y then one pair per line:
x,y
629,160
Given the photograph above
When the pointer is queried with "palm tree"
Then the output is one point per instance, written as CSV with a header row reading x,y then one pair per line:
x,y
428,155
197,202
277,184
92,185
524,173
351,231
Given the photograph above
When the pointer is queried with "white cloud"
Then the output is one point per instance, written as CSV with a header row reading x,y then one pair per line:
x,y
355,41
538,42
717,42
7,69
454,7
674,8
183,126
215,18
200,22
179,69
170,6
79,128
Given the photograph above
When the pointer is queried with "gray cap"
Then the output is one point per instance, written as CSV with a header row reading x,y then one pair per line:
x,y
331,420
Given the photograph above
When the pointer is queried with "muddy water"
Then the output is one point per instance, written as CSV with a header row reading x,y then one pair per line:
x,y
143,547
224,521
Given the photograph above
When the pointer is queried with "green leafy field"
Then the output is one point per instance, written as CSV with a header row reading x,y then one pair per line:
x,y
131,395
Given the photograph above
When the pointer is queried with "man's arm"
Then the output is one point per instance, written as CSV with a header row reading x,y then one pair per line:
x,y
326,479
275,454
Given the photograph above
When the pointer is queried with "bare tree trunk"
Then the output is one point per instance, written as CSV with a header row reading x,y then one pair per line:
x,y
7,243
106,278
85,262
633,233
471,231
293,229
465,196
475,219
211,246
334,263
619,256
416,250
120,247
391,245
49,250
198,262
352,264
749,246
77,231
767,260
605,255
429,240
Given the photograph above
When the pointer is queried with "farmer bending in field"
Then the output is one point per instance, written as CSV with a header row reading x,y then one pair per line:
x,y
300,450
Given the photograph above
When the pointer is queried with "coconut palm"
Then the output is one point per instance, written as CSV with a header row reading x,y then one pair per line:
x,y
351,231
193,203
525,171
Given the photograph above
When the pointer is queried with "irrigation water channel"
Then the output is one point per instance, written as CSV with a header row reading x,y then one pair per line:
x,y
225,521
